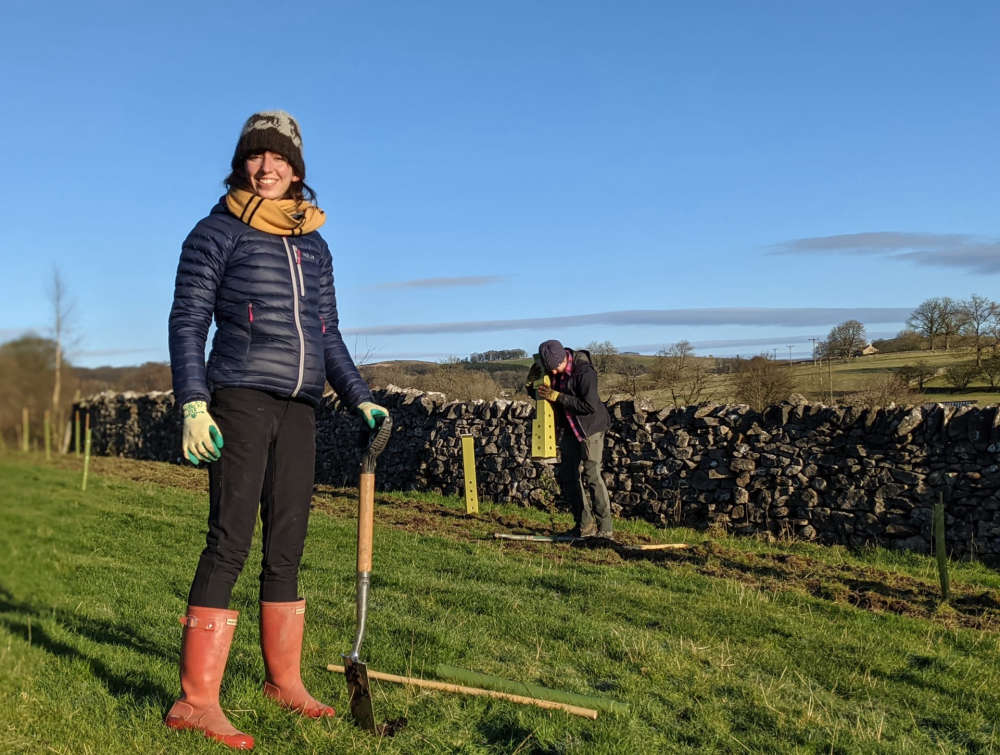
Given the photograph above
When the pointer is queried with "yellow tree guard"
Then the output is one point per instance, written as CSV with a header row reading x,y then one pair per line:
x,y
543,429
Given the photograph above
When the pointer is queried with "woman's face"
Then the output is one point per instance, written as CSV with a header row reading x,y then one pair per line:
x,y
270,174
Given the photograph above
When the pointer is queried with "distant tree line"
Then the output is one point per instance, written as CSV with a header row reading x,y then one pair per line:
x,y
496,355
30,371
941,320
938,322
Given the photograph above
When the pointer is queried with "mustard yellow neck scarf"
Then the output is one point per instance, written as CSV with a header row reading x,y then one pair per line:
x,y
282,217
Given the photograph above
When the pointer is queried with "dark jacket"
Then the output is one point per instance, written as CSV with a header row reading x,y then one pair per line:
x,y
275,312
580,398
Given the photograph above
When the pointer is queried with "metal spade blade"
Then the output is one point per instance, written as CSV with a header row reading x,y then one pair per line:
x,y
360,693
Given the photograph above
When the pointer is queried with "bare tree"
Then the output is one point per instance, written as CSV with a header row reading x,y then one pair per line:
x,y
917,373
363,352
761,382
977,314
991,369
960,375
880,391
631,372
681,372
952,320
62,329
605,356
845,340
927,319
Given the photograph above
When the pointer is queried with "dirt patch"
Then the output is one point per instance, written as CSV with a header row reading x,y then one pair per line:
x,y
187,477
866,588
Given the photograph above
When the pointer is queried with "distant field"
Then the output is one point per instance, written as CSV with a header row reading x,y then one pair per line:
x,y
811,380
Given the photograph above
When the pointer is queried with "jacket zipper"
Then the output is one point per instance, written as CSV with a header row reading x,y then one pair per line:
x,y
298,320
298,264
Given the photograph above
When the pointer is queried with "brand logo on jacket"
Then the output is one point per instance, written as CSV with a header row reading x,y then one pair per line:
x,y
304,255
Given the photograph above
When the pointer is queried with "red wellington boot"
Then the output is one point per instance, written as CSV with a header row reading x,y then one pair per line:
x,y
208,633
281,628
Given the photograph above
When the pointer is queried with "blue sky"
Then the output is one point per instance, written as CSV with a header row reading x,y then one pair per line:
x,y
739,175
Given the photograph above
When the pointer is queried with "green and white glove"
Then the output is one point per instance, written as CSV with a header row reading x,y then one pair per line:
x,y
370,411
202,439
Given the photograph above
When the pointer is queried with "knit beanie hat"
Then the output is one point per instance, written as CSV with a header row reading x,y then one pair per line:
x,y
552,354
271,131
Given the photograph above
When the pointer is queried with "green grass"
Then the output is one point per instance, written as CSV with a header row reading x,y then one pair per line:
x,y
850,376
730,648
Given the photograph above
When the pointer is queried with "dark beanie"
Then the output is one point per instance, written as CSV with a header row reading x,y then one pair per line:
x,y
271,131
552,354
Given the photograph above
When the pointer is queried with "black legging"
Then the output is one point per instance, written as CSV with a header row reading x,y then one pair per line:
x,y
268,459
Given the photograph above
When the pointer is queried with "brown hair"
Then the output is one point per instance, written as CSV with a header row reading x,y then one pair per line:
x,y
238,179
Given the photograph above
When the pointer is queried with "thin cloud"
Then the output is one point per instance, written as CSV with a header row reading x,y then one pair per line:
x,y
754,316
467,280
727,343
983,258
406,355
951,250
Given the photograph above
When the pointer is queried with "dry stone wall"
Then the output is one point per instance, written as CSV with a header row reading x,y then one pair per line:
x,y
833,474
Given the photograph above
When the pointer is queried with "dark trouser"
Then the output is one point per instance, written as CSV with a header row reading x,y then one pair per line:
x,y
268,460
585,490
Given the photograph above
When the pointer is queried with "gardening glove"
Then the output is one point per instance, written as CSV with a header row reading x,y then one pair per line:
x,y
370,411
548,393
202,439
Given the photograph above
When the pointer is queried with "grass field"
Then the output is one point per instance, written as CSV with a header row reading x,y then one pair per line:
x,y
727,646
847,377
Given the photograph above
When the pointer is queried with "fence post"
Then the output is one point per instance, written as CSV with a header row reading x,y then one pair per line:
x,y
48,435
25,441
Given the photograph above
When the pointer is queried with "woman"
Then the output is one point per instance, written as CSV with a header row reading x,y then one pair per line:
x,y
259,266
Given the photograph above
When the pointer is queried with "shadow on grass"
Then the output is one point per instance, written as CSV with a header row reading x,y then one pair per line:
x,y
28,624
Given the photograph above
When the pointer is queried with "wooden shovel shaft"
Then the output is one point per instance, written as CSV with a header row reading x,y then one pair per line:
x,y
576,710
366,515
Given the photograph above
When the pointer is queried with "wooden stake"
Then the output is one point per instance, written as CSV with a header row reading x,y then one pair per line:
x,y
86,454
572,539
76,431
67,437
25,440
475,691
48,435
469,468
940,551
489,681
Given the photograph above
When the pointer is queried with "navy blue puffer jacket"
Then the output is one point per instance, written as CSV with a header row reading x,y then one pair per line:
x,y
275,312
